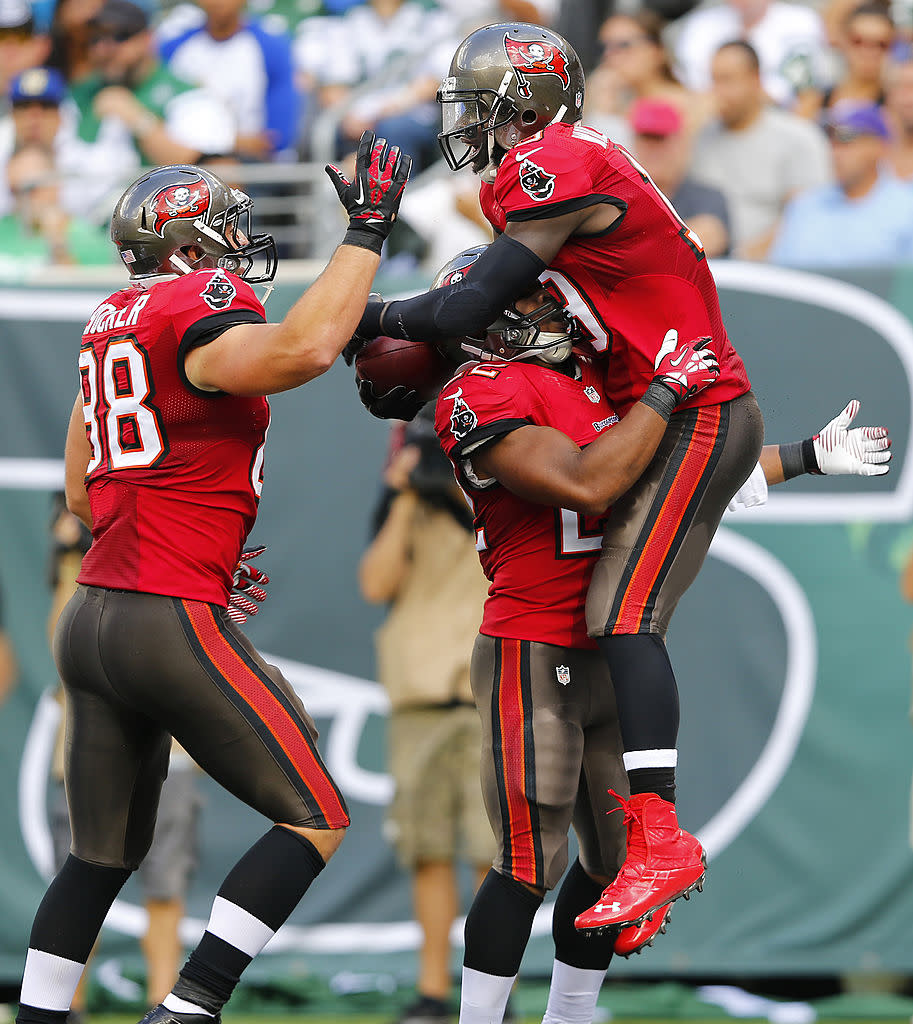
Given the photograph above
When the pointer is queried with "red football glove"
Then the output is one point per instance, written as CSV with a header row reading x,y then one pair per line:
x,y
682,370
248,582
372,199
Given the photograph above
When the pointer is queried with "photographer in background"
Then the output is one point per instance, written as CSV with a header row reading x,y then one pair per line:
x,y
422,561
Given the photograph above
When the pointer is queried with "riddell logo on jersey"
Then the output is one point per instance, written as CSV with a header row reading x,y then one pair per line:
x,y
179,202
535,58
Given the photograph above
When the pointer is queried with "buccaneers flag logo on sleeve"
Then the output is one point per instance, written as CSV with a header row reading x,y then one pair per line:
x,y
535,58
179,202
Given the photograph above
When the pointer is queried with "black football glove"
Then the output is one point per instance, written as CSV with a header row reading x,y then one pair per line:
x,y
248,582
399,403
372,199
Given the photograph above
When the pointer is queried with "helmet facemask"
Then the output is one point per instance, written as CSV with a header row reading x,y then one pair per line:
x,y
515,335
473,118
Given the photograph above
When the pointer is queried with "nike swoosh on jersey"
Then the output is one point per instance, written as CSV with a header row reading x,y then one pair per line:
x,y
519,157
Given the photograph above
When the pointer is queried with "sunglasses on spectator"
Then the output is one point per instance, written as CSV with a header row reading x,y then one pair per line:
x,y
617,45
870,44
115,35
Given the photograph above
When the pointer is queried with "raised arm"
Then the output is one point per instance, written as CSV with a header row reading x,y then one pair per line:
x,y
261,359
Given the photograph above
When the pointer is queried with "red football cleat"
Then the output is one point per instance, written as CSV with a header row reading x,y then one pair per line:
x,y
663,862
636,938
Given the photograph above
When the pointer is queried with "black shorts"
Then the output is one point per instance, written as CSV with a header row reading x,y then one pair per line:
x,y
657,534
141,668
551,750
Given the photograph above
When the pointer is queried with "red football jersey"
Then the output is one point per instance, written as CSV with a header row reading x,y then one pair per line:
x,y
175,473
629,285
539,559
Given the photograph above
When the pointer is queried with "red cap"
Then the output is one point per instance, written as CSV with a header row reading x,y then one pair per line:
x,y
655,117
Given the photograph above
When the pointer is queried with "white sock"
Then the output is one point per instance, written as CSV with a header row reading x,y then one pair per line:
x,y
572,995
173,1002
49,981
483,997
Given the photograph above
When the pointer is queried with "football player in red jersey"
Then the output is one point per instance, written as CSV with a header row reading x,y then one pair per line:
x,y
575,211
515,432
164,461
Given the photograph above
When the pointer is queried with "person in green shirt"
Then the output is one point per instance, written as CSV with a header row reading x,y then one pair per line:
x,y
168,120
39,232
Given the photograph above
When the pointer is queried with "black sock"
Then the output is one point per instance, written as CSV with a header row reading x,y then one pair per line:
x,y
579,892
267,883
653,780
498,925
648,709
66,925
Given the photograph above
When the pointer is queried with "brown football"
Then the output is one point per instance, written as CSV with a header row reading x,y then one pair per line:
x,y
387,362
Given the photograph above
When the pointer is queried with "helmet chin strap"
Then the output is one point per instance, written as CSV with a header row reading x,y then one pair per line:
x,y
552,348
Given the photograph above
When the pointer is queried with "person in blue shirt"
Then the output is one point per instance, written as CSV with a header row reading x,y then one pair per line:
x,y
249,67
865,217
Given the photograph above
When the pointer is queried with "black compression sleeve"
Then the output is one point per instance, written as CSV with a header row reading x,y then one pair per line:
x,y
503,273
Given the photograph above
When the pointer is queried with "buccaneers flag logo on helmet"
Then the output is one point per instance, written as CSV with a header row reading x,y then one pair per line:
x,y
179,202
535,58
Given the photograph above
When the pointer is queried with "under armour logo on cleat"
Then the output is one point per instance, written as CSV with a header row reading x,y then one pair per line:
x,y
607,908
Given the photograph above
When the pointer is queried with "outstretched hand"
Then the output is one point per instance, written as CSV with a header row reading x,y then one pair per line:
x,y
860,451
372,199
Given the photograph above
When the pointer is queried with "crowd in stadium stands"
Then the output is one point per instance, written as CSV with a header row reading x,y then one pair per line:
x,y
773,125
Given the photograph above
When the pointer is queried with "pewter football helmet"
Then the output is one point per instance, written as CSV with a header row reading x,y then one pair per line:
x,y
506,82
173,207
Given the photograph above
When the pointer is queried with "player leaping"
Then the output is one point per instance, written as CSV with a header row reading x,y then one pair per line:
x,y
576,211
528,428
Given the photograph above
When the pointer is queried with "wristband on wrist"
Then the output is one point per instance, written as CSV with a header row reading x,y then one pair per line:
x,y
660,398
363,238
798,458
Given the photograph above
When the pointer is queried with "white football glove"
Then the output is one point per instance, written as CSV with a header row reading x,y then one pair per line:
x,y
248,582
862,451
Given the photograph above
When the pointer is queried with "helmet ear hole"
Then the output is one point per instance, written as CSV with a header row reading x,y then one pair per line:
x,y
529,116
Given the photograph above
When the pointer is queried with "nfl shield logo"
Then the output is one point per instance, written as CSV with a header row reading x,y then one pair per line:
x,y
591,393
564,674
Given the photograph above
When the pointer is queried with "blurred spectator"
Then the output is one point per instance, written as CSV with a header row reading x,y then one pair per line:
x,y
70,37
865,217
133,99
40,115
471,14
398,50
663,147
635,64
788,38
423,561
899,108
579,20
756,155
39,232
249,67
865,43
20,46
